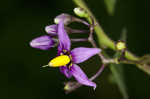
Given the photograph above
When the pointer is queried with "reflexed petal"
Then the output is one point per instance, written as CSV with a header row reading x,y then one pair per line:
x,y
64,41
81,77
51,29
43,42
82,53
65,71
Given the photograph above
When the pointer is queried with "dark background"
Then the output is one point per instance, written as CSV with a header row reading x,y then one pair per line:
x,y
21,74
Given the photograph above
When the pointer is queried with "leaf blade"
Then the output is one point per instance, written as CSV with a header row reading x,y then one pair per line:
x,y
118,74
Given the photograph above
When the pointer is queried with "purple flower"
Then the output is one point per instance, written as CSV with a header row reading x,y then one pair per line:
x,y
67,59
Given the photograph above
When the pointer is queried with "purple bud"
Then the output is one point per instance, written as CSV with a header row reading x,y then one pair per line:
x,y
51,29
65,17
43,42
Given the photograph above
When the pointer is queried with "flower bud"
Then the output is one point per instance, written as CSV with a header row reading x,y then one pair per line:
x,y
43,42
70,86
120,45
66,87
66,18
51,29
80,12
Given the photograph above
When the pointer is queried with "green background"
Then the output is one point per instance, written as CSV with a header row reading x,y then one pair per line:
x,y
21,74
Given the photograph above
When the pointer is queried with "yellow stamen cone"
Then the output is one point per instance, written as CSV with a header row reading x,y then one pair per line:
x,y
59,61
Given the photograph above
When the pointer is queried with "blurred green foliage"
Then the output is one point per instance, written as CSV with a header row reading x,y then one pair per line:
x,y
110,6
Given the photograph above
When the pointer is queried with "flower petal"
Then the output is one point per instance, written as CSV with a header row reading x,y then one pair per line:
x,y
82,53
43,42
81,77
65,71
51,29
64,41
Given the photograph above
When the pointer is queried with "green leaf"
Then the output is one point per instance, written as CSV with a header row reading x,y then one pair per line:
x,y
118,75
110,5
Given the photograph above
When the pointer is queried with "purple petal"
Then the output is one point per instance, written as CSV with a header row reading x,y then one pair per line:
x,y
43,42
51,29
65,71
81,54
64,41
81,77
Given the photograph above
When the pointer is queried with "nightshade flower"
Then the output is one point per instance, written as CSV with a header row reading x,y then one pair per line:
x,y
68,59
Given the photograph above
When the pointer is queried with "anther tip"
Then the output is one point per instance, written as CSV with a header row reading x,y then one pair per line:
x,y
45,66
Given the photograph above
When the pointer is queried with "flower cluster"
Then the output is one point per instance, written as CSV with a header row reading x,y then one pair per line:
x,y
66,59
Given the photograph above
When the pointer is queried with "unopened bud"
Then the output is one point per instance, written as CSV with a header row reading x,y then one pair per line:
x,y
51,29
120,45
43,42
66,18
71,86
80,12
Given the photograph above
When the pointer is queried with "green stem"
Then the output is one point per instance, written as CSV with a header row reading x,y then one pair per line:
x,y
104,40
